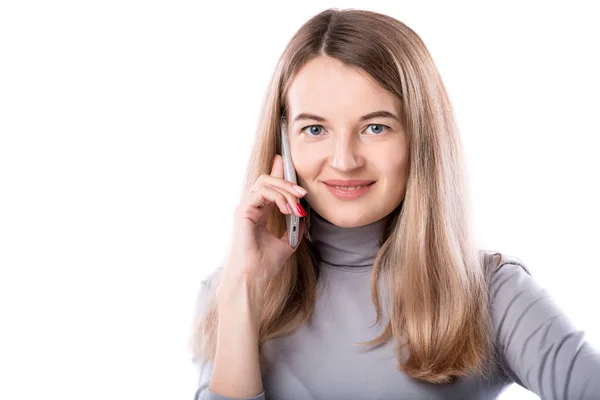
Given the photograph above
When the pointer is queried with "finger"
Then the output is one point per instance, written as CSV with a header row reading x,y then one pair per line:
x,y
292,200
291,191
266,195
291,187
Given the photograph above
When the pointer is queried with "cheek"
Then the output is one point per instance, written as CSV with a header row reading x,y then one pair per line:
x,y
306,162
393,166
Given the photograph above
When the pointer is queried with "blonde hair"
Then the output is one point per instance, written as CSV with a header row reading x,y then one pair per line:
x,y
435,278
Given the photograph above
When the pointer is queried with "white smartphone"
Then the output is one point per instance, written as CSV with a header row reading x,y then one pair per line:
x,y
289,173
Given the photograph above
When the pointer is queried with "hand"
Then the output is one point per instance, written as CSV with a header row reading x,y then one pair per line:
x,y
256,253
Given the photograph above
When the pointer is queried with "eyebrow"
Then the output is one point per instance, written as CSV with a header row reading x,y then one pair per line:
x,y
375,114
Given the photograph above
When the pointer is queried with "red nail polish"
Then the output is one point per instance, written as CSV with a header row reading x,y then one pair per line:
x,y
300,209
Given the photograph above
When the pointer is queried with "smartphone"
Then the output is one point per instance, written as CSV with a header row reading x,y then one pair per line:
x,y
289,173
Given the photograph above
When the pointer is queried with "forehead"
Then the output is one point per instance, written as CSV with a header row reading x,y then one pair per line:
x,y
326,86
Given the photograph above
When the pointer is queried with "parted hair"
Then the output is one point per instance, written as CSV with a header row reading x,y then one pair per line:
x,y
435,277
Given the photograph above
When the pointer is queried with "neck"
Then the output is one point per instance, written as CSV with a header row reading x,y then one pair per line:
x,y
355,247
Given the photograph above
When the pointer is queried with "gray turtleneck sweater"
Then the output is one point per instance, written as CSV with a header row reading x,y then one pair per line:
x,y
540,349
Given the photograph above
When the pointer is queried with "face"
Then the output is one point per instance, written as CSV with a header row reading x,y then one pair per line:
x,y
338,146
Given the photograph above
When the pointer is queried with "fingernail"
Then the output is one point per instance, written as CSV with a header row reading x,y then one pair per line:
x,y
300,210
300,190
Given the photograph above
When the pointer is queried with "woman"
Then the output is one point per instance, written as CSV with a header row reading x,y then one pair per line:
x,y
386,296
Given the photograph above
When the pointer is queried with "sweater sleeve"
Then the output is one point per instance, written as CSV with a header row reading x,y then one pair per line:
x,y
202,365
540,348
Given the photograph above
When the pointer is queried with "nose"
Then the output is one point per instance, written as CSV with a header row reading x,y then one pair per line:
x,y
344,155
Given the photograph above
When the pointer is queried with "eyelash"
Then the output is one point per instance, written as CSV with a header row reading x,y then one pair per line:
x,y
377,134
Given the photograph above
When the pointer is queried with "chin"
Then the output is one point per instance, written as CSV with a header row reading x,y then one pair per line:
x,y
348,218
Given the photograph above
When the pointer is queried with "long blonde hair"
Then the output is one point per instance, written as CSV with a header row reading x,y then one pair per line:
x,y
436,278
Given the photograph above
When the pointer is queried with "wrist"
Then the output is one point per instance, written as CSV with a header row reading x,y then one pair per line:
x,y
242,298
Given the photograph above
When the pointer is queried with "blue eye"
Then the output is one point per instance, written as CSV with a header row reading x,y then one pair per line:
x,y
312,131
382,127
315,132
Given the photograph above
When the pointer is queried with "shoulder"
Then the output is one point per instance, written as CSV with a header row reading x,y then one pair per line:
x,y
494,261
519,305
537,342
509,278
504,270
206,292
211,281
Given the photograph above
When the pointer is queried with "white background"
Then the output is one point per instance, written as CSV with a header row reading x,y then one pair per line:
x,y
125,130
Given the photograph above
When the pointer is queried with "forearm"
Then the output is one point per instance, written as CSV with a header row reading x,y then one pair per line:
x,y
236,369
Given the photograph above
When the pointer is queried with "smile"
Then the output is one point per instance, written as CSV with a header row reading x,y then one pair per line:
x,y
350,187
349,192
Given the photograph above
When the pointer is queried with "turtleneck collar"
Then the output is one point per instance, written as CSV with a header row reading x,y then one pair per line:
x,y
347,247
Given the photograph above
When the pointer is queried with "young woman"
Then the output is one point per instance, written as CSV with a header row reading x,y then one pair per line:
x,y
386,296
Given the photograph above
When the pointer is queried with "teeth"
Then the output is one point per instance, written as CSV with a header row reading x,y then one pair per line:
x,y
350,188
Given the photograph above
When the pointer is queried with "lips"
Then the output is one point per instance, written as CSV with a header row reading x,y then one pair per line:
x,y
348,183
351,190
